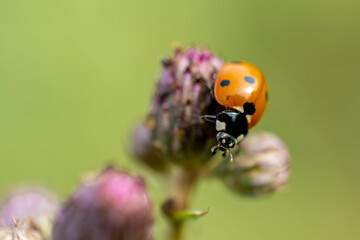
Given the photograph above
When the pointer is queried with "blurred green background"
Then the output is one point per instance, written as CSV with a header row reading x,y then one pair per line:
x,y
75,76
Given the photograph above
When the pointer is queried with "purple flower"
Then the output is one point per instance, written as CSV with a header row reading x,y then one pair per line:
x,y
21,230
36,203
143,148
173,130
261,168
111,206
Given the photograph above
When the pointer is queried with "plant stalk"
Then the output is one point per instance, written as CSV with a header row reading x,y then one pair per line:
x,y
181,192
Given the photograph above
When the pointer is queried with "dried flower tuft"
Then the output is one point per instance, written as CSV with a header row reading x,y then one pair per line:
x,y
21,230
260,169
111,206
174,129
36,203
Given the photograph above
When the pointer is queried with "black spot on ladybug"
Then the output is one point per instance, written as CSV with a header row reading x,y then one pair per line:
x,y
249,79
267,96
236,62
249,108
224,83
227,97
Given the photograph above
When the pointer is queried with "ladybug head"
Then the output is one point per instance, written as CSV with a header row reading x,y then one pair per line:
x,y
226,140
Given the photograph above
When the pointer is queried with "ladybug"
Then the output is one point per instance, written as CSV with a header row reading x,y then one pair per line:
x,y
241,88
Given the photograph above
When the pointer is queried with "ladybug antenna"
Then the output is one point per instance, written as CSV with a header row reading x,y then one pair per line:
x,y
231,157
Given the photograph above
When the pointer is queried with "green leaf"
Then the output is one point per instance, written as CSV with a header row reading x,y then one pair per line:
x,y
183,216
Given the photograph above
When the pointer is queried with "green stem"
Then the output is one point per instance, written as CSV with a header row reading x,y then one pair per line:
x,y
181,189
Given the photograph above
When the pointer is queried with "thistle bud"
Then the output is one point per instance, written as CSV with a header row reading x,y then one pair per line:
x,y
111,206
36,203
261,168
183,95
144,149
20,230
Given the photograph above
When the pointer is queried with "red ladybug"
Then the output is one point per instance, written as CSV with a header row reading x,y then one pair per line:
x,y
242,89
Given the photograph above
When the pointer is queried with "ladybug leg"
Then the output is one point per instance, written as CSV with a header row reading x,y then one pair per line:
x,y
230,154
231,157
208,85
209,118
214,149
212,93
